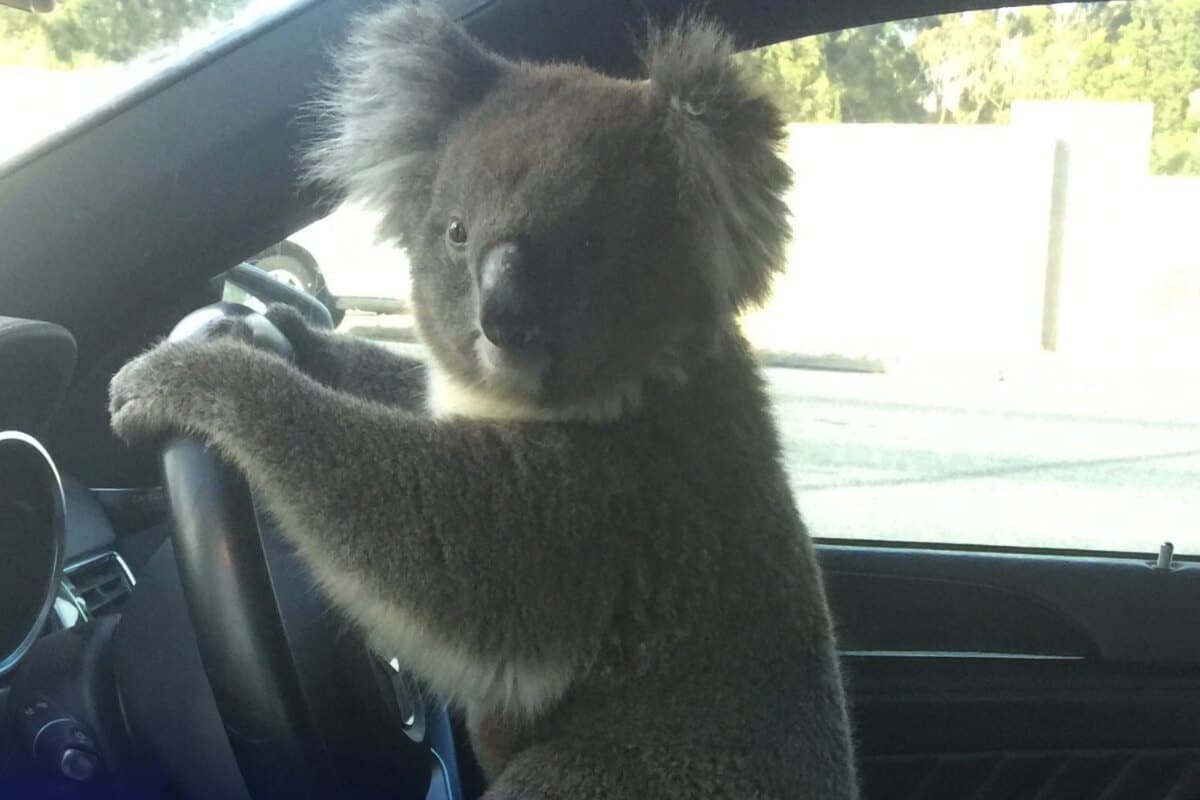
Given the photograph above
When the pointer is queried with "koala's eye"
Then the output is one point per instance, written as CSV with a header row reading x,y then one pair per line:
x,y
456,232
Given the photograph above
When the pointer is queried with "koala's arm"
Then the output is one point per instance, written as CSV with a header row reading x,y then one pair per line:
x,y
352,364
440,537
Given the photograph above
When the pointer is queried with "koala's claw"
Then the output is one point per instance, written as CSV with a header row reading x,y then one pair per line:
x,y
133,411
289,321
304,338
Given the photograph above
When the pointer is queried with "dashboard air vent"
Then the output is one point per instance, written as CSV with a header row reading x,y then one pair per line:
x,y
99,584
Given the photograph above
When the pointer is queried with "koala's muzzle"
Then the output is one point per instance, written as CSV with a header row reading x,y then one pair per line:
x,y
508,313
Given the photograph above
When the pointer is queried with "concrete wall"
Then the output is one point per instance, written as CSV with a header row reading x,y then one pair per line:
x,y
912,239
1158,285
987,243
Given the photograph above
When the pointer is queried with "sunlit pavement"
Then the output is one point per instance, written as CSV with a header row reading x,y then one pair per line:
x,y
879,456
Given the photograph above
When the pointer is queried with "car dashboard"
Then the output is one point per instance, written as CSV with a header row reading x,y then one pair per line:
x,y
103,690
60,562
96,577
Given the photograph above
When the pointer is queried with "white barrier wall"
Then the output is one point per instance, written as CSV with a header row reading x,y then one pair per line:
x,y
986,243
913,240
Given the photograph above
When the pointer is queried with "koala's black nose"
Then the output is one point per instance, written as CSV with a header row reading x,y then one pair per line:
x,y
507,312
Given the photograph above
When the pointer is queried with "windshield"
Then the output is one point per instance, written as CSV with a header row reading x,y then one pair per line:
x,y
57,67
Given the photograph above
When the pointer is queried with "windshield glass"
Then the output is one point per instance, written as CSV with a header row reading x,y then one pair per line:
x,y
59,66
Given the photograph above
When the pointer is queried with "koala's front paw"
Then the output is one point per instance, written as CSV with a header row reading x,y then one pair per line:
x,y
175,387
307,342
133,410
291,324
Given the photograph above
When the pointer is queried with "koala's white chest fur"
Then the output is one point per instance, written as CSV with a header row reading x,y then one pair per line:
x,y
517,687
447,398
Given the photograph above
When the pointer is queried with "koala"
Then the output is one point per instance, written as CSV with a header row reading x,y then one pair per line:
x,y
572,520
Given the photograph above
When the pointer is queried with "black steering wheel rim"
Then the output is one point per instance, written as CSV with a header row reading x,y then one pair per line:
x,y
308,711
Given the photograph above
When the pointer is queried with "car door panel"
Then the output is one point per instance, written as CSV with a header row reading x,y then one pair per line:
x,y
1006,675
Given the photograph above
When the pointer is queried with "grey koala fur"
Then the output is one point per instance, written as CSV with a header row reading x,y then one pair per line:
x,y
589,545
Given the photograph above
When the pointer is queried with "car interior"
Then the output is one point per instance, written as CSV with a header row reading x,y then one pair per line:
x,y
159,640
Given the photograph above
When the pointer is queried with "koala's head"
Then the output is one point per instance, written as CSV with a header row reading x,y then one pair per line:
x,y
570,235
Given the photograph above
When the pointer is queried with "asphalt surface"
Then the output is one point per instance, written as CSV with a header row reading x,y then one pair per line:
x,y
882,457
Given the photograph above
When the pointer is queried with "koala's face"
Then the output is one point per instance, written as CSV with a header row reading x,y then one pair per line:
x,y
550,266
570,235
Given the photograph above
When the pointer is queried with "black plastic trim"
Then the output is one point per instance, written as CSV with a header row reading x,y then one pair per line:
x,y
29,477
1118,610
37,360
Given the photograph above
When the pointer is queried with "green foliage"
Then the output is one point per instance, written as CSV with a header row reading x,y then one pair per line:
x,y
795,74
877,74
957,68
971,67
22,41
1154,56
867,74
968,66
80,32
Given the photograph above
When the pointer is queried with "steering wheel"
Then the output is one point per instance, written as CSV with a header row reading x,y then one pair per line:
x,y
309,711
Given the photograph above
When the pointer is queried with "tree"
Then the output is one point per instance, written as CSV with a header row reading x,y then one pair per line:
x,y
867,74
21,39
1154,56
1048,43
83,31
969,66
979,63
794,74
876,73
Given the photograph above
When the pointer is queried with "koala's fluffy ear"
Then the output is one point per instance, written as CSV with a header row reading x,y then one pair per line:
x,y
405,75
727,137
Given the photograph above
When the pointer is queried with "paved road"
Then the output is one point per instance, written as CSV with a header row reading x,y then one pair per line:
x,y
875,456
